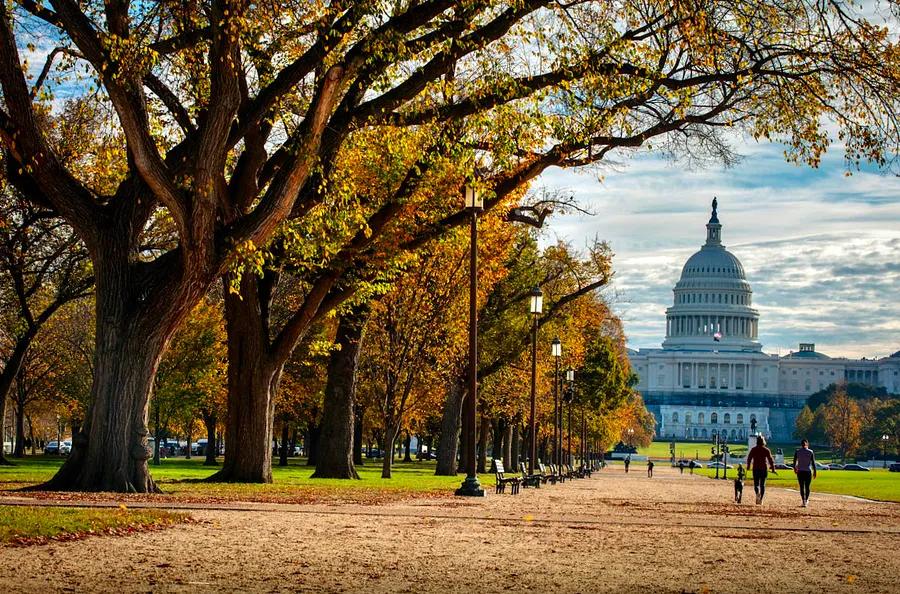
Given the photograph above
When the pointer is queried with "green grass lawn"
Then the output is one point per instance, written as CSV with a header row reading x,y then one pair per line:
x,y
182,478
877,484
38,524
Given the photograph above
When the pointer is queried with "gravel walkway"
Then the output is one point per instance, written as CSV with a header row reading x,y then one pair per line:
x,y
611,533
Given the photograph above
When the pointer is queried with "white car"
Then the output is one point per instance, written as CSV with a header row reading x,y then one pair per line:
x,y
65,448
719,465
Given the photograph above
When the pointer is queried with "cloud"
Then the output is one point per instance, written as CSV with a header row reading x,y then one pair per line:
x,y
819,248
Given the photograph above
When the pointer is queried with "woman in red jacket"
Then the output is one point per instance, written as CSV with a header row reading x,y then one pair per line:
x,y
757,460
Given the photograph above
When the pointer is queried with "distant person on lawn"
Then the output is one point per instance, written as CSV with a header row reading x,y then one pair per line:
x,y
758,460
805,469
627,462
649,468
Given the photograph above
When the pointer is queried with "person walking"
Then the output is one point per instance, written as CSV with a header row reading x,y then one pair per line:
x,y
627,462
759,460
649,468
805,469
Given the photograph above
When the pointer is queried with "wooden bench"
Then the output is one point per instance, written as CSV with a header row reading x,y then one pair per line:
x,y
502,481
560,477
529,480
546,475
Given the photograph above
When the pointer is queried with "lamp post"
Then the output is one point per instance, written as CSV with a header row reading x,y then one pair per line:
x,y
556,351
716,453
470,486
536,305
583,436
884,440
570,395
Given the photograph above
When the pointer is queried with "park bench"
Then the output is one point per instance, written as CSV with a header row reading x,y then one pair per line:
x,y
546,475
554,469
586,471
502,481
570,472
529,480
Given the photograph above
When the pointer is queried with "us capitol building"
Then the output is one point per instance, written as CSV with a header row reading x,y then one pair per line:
x,y
711,376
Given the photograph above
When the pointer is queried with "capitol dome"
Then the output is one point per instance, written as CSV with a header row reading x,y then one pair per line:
x,y
712,300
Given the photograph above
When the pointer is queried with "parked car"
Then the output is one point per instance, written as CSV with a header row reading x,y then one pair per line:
x,y
834,466
52,448
198,448
782,466
718,464
374,453
65,448
856,467
894,467
820,466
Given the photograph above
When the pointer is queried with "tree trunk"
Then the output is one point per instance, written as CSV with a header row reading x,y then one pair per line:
x,y
189,436
156,433
514,448
285,433
358,416
406,456
450,425
252,383
7,377
483,429
507,447
389,442
212,446
336,442
21,397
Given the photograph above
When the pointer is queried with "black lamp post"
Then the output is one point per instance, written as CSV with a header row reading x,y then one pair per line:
x,y
556,351
470,486
725,460
716,453
570,393
583,435
536,305
884,440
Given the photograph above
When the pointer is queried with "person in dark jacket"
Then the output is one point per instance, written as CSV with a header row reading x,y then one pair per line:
x,y
805,469
757,461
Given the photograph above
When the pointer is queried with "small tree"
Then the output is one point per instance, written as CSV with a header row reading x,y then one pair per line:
x,y
843,422
804,424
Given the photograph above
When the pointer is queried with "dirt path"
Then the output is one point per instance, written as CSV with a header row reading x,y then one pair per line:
x,y
612,533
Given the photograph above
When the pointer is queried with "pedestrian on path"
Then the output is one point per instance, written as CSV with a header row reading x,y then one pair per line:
x,y
805,469
649,468
627,462
757,461
739,483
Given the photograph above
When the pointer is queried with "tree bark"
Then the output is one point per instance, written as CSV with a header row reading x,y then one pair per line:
x,y
499,426
388,460
338,440
7,377
21,398
450,425
406,446
252,382
212,446
514,447
507,447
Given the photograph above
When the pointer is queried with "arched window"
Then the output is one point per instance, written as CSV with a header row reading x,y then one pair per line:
x,y
703,434
733,434
687,418
674,417
727,418
695,432
713,418
740,419
700,418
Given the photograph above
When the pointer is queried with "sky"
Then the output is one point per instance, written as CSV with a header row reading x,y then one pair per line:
x,y
821,250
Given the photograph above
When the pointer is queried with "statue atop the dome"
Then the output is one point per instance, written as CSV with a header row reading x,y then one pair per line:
x,y
715,216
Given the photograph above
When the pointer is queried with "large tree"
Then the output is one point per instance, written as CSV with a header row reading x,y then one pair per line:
x,y
232,114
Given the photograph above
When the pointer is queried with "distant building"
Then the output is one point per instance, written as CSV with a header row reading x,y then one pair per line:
x,y
711,376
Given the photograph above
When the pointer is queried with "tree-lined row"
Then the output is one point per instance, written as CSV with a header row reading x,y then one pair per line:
x,y
303,155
